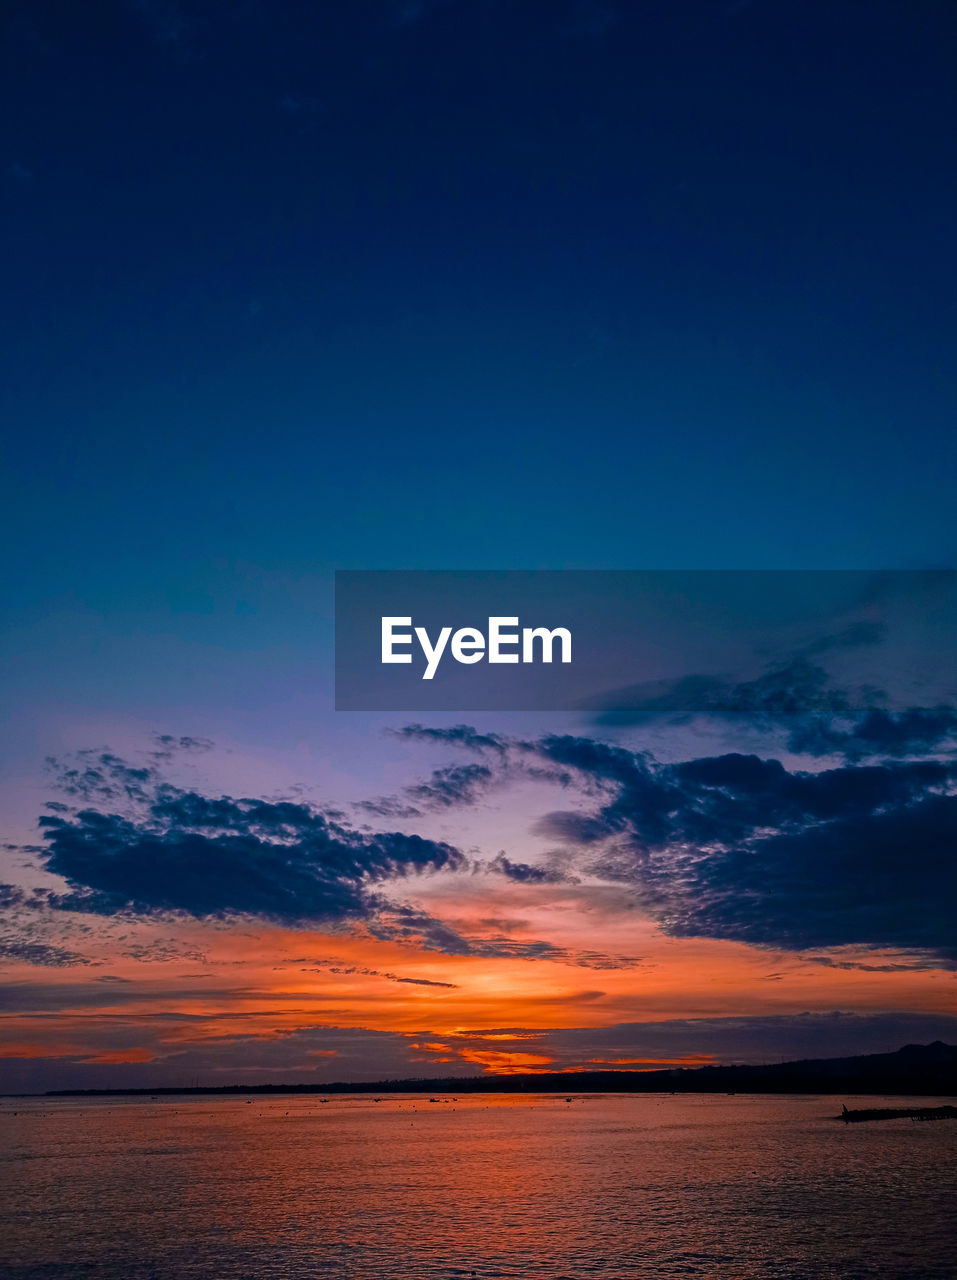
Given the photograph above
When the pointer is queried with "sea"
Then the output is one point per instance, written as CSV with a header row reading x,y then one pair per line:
x,y
588,1187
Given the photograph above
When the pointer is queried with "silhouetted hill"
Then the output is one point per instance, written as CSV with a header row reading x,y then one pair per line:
x,y
917,1070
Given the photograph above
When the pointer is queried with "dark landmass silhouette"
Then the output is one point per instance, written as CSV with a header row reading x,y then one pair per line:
x,y
916,1070
897,1113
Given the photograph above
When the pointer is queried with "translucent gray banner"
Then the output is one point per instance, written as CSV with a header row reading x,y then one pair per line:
x,y
623,641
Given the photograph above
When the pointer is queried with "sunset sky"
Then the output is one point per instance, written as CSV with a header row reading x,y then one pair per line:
x,y
469,285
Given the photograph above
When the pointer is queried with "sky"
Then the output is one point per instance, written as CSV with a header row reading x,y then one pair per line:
x,y
467,284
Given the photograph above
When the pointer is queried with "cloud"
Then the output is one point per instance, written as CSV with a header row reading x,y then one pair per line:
x,y
26,927
162,951
455,785
451,786
412,925
427,982
404,923
877,732
524,873
783,692
101,775
738,847
459,735
733,846
61,998
122,1053
881,879
914,964
754,1039
340,968
446,788
129,1052
863,631
179,852
18,950
151,850
797,694
11,895
792,684
168,745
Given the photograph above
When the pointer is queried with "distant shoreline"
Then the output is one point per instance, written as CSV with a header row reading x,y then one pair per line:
x,y
914,1071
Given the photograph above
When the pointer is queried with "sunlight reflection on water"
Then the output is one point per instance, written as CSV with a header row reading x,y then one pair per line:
x,y
491,1186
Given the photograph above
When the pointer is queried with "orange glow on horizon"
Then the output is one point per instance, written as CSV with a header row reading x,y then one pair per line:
x,y
266,987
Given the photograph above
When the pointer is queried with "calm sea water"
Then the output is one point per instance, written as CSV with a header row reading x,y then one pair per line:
x,y
486,1186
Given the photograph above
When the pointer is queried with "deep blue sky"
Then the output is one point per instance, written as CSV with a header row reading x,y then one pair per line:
x,y
467,283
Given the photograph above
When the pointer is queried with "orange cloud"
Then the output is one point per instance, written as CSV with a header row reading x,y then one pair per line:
x,y
122,1055
497,1062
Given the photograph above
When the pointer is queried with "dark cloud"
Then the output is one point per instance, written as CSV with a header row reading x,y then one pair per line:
x,y
263,1053
575,828
741,848
797,695
11,895
455,785
25,933
880,879
524,873
798,699
914,964
18,950
168,745
177,852
450,787
791,686
183,853
412,925
101,775
404,923
392,807
863,631
753,1039
877,732
335,967
162,951
427,982
790,689
781,696
459,735
58,999
731,846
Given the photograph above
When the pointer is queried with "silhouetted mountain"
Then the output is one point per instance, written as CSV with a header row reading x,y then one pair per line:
x,y
917,1070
